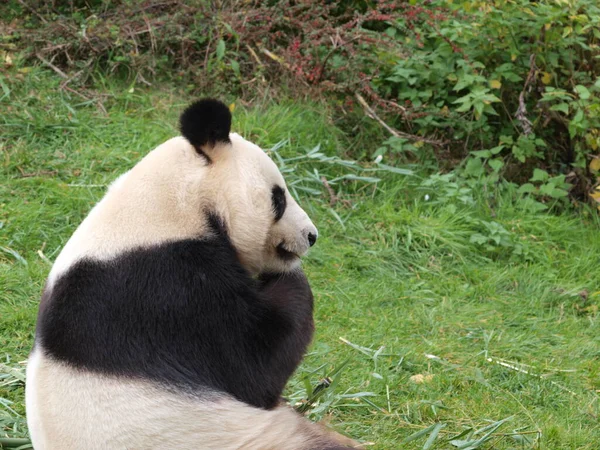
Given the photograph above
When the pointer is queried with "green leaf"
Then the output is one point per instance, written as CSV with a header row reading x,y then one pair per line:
x,y
462,444
518,153
479,108
5,89
558,193
478,238
464,107
496,164
482,153
527,188
464,433
393,169
562,107
433,436
235,67
420,433
490,98
15,255
464,99
583,92
546,189
539,175
489,431
463,82
496,150
337,217
220,49
531,205
474,167
360,394
350,176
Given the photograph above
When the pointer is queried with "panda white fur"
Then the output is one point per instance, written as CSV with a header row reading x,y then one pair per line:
x,y
177,311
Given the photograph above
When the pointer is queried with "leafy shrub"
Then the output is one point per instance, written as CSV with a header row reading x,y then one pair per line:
x,y
309,44
510,85
493,89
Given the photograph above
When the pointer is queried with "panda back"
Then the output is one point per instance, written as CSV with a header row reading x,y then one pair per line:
x,y
184,314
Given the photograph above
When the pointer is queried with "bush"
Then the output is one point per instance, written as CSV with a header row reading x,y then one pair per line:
x,y
511,86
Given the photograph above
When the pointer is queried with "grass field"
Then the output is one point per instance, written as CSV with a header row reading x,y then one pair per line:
x,y
474,323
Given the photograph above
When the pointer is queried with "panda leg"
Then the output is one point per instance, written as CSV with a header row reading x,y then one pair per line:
x,y
94,412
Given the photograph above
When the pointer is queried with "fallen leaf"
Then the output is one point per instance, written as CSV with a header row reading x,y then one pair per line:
x,y
595,195
420,378
546,78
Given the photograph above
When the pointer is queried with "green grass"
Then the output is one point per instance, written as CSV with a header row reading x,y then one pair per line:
x,y
505,331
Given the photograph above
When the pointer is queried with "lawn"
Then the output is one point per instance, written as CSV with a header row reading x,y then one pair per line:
x,y
463,318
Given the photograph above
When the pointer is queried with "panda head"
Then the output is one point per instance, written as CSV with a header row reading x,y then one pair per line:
x,y
238,182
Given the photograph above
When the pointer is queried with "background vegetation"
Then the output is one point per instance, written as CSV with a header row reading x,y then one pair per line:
x,y
447,150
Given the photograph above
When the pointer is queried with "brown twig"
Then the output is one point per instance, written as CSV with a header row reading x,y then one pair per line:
x,y
50,173
207,52
52,66
260,64
400,134
333,198
37,14
280,61
521,114
152,37
68,80
254,55
395,105
73,91
101,107
98,100
275,58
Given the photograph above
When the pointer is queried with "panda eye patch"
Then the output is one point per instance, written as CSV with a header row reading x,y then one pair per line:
x,y
279,202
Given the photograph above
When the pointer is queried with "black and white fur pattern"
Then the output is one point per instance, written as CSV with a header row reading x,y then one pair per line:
x,y
177,311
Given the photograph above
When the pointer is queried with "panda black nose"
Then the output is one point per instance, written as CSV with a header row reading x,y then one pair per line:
x,y
312,238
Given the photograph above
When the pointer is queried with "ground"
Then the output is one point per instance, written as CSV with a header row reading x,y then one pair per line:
x,y
426,319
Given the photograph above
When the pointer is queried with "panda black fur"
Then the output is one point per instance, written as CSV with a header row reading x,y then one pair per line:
x,y
216,123
244,337
177,319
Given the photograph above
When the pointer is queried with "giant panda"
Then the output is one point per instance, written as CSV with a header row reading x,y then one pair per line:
x,y
177,311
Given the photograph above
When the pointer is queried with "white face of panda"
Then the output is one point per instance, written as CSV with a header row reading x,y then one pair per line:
x,y
243,186
268,228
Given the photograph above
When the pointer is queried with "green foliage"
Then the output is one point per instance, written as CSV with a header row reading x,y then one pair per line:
x,y
446,317
491,88
510,85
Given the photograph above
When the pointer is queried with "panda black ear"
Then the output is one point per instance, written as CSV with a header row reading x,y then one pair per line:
x,y
205,123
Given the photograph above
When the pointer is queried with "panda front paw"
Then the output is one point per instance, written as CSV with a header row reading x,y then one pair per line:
x,y
294,277
285,288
